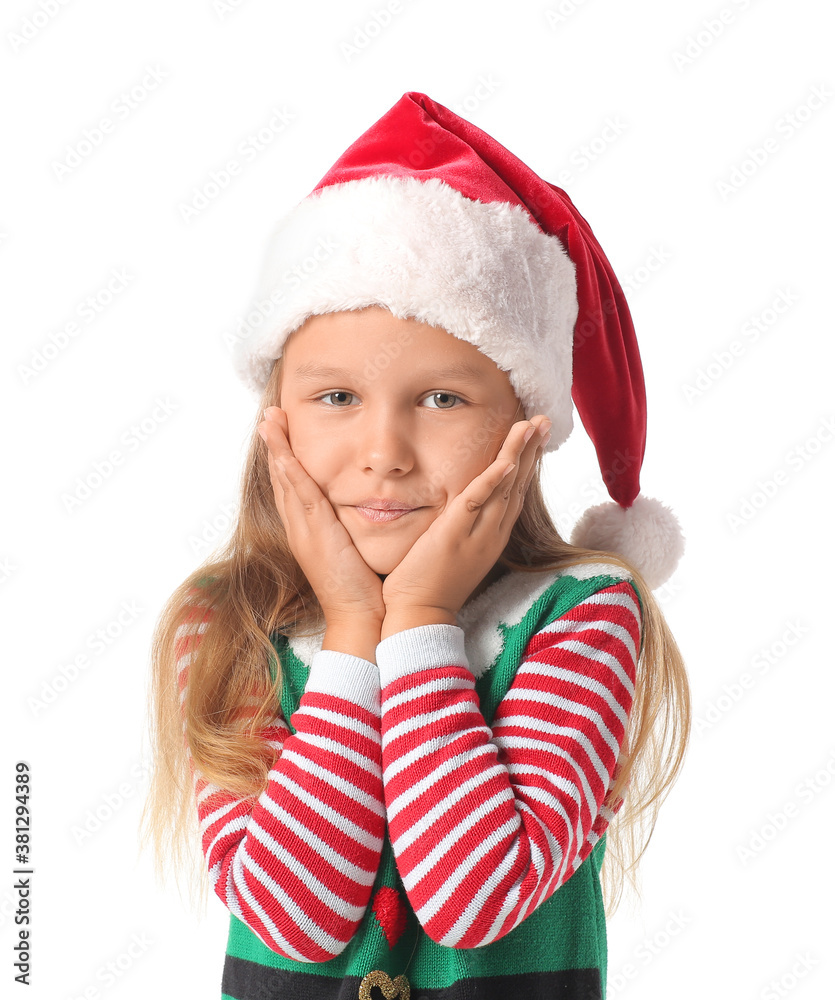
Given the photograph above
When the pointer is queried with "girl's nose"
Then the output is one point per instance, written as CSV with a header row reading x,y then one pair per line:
x,y
386,444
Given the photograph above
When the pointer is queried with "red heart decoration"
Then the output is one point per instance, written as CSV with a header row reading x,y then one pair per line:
x,y
391,914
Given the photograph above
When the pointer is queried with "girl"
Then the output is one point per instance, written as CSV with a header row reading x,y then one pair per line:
x,y
408,714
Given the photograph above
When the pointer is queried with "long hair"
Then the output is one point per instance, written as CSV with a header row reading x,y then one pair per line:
x,y
255,588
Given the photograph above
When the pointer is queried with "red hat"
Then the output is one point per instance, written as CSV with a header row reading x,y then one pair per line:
x,y
429,216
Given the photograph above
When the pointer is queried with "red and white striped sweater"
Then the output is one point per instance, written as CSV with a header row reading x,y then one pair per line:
x,y
405,741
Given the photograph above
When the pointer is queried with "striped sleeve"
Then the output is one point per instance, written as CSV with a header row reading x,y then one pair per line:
x,y
297,863
487,824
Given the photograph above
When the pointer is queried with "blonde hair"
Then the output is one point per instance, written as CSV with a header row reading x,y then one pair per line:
x,y
254,588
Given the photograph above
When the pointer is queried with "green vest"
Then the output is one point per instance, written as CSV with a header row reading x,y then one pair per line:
x,y
558,951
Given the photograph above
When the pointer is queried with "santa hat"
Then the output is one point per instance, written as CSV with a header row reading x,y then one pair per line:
x,y
432,218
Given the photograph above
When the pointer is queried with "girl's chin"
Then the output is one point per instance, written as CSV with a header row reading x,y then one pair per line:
x,y
380,567
383,546
382,563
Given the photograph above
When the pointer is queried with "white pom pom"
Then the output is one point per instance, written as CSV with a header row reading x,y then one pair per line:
x,y
647,534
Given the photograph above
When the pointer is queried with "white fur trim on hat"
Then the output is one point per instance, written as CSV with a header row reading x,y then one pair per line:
x,y
483,271
647,534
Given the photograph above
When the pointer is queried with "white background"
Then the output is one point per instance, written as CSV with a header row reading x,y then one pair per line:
x,y
677,104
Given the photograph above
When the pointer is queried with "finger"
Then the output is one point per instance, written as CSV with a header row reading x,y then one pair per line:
x,y
530,452
274,431
301,492
520,448
489,495
274,472
487,491
526,449
521,440
273,428
276,415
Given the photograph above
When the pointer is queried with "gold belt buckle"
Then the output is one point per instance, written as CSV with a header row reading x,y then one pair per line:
x,y
397,990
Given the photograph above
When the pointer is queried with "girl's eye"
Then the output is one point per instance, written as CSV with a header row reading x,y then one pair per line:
x,y
444,397
337,392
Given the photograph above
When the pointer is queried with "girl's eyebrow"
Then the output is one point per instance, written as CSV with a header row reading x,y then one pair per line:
x,y
462,370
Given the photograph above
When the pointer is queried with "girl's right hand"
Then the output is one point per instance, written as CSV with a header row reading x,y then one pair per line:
x,y
342,580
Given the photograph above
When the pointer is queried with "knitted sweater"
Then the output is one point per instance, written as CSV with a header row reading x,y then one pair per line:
x,y
437,816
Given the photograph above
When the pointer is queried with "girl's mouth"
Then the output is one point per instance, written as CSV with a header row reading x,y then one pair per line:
x,y
373,514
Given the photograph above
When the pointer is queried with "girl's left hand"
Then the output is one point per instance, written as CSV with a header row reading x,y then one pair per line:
x,y
449,560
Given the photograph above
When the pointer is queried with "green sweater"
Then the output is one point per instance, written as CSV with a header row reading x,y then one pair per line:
x,y
559,949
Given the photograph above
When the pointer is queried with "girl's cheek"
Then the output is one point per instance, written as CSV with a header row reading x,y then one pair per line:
x,y
320,456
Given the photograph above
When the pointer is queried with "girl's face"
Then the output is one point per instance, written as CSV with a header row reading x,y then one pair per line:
x,y
380,408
